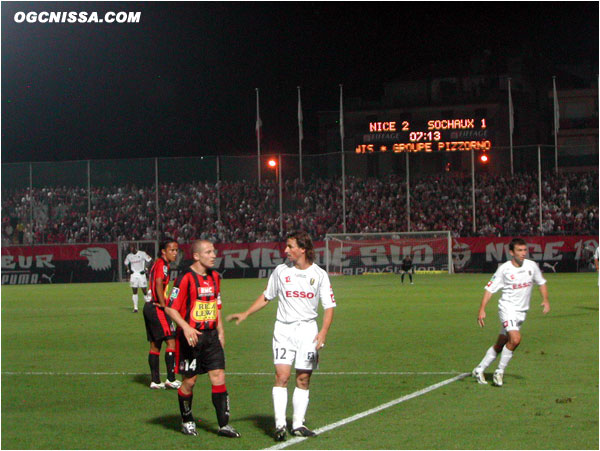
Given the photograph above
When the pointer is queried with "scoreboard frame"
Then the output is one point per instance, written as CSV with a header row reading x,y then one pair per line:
x,y
434,135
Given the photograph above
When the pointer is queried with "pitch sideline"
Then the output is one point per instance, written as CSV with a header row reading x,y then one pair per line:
x,y
118,373
358,416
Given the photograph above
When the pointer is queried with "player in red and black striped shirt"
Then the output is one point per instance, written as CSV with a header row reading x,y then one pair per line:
x,y
195,305
158,324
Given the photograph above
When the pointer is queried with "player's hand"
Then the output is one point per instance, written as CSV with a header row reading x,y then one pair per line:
x,y
481,318
546,306
191,335
320,342
238,317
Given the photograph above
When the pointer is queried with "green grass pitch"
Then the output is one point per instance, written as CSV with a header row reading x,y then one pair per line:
x,y
75,371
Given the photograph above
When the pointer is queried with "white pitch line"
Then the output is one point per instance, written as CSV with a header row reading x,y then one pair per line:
x,y
355,373
358,416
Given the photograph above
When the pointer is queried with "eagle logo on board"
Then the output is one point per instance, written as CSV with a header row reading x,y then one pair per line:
x,y
98,258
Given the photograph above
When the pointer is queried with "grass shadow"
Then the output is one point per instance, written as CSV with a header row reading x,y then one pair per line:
x,y
262,422
170,422
142,379
489,376
173,423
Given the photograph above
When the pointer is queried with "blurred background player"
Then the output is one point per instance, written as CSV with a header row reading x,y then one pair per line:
x,y
158,324
300,285
195,305
136,263
407,268
515,278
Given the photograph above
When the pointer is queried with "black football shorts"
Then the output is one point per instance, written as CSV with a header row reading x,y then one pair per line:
x,y
207,355
158,324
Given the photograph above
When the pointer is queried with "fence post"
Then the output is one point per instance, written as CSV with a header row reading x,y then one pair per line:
x,y
407,192
218,188
156,197
540,188
31,202
89,215
473,189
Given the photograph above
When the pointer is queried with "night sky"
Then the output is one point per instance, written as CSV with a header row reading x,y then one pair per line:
x,y
182,81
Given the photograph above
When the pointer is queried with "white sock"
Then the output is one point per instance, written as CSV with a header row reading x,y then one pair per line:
x,y
280,396
300,402
505,357
134,297
489,357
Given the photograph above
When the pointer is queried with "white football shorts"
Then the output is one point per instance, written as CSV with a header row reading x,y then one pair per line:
x,y
511,320
295,342
138,280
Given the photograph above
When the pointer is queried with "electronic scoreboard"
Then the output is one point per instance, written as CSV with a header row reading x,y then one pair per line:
x,y
436,135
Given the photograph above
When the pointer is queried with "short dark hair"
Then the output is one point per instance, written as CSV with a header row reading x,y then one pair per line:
x,y
163,245
516,242
304,242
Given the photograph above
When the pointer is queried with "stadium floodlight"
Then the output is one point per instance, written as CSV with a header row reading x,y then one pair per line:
x,y
484,159
272,163
360,253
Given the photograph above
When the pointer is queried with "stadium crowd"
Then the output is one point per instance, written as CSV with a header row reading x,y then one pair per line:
x,y
243,212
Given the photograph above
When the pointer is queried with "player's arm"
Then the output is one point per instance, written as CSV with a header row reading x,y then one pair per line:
x,y
220,328
322,335
160,293
258,304
545,303
147,263
487,295
179,294
191,334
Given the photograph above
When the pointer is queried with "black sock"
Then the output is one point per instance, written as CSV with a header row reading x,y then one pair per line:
x,y
410,277
402,277
170,361
154,367
220,400
185,406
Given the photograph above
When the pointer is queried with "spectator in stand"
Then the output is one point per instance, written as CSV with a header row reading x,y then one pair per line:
x,y
238,211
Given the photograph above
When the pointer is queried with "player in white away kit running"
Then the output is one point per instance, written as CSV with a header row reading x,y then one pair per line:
x,y
299,285
136,262
516,278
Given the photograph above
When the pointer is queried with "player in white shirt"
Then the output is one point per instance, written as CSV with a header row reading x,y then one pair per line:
x,y
299,284
515,278
136,263
596,259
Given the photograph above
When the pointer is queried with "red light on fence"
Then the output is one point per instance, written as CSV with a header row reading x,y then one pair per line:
x,y
272,163
484,158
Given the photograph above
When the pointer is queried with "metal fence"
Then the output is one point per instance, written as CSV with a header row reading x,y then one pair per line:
x,y
101,200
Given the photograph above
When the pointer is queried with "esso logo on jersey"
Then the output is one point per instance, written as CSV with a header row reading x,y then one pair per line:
x,y
299,294
517,286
